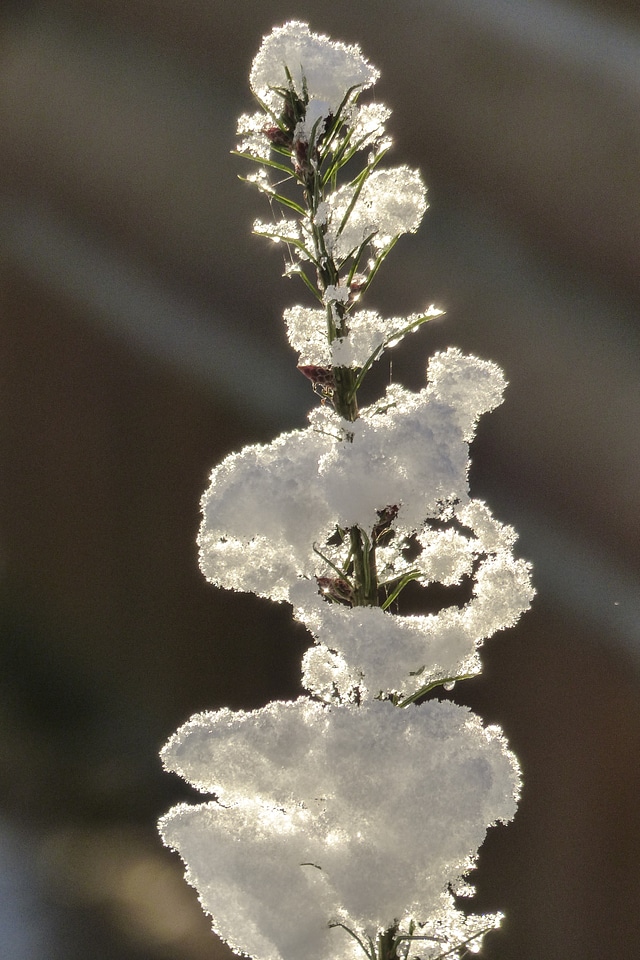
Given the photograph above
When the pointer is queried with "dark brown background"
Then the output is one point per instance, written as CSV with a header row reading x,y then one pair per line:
x,y
141,341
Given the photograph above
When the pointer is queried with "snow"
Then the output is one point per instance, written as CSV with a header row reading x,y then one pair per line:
x,y
426,649
307,832
282,231
368,332
470,385
391,202
278,500
270,509
307,333
368,124
325,68
255,143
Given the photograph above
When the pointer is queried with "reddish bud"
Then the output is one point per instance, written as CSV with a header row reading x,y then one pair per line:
x,y
319,376
335,588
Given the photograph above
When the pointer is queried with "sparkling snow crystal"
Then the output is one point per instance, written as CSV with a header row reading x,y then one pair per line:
x,y
306,831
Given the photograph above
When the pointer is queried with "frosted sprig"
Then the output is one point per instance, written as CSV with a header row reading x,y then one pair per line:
x,y
277,500
345,822
342,225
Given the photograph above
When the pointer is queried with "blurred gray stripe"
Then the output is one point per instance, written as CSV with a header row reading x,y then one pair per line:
x,y
202,346
569,32
579,577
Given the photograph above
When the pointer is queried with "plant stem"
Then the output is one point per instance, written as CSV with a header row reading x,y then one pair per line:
x,y
346,380
387,948
365,576
344,397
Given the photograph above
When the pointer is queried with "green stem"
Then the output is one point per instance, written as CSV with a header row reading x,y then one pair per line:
x,y
365,575
388,945
345,394
346,380
430,686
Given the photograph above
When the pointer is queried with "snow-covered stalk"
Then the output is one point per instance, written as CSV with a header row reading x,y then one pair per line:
x,y
311,140
343,824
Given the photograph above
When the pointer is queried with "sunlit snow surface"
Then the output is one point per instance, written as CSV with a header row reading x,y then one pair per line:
x,y
360,815
268,506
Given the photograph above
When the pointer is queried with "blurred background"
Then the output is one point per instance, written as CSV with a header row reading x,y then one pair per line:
x,y
142,341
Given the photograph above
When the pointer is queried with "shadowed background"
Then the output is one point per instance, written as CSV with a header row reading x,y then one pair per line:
x,y
142,341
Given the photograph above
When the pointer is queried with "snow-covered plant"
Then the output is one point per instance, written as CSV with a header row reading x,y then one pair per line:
x,y
346,821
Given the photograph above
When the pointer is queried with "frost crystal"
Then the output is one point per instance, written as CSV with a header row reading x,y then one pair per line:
x,y
306,832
